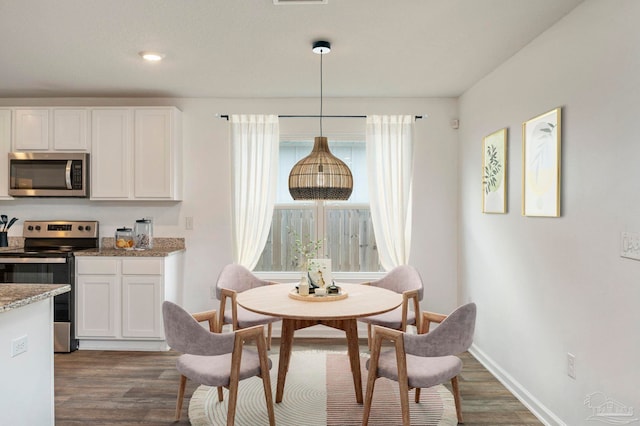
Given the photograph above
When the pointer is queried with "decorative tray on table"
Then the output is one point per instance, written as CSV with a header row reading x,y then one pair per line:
x,y
328,297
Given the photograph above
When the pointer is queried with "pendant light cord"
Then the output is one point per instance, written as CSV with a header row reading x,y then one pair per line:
x,y
321,55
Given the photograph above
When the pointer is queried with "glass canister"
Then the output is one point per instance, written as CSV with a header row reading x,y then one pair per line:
x,y
124,238
144,234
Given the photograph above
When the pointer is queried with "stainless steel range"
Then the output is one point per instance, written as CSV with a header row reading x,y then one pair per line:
x,y
47,258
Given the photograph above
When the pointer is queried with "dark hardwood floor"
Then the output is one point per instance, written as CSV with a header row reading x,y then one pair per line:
x,y
139,388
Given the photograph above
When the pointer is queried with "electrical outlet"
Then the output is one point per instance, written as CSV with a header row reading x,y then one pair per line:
x,y
571,365
19,346
630,245
188,223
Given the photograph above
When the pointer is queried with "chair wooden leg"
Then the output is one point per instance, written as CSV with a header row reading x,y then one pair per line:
x,y
233,401
183,382
269,329
266,380
234,374
404,402
403,382
417,395
220,394
368,399
456,397
371,379
369,339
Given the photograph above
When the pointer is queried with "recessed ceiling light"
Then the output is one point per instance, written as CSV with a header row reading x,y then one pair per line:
x,y
151,56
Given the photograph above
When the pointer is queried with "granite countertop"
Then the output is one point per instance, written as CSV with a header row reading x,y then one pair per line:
x,y
14,296
162,247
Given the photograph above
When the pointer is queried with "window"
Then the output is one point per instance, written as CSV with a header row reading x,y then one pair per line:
x,y
344,227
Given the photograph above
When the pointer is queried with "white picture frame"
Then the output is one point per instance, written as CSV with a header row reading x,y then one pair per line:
x,y
541,150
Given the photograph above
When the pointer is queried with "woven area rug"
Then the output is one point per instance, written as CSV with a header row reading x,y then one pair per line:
x,y
319,391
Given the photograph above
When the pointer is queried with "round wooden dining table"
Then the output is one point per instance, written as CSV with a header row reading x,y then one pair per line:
x,y
339,313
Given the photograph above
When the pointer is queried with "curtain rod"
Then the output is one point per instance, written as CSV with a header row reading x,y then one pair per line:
x,y
226,116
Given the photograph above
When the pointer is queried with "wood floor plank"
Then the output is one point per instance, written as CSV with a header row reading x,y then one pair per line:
x,y
139,388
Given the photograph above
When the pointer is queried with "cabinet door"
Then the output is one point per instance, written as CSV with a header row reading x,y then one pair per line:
x,y
5,148
70,129
97,306
142,306
32,130
111,134
154,170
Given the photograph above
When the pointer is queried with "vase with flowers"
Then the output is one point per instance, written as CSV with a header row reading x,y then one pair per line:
x,y
305,258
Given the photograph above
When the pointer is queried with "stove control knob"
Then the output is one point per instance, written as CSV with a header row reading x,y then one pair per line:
x,y
30,228
37,227
80,228
87,228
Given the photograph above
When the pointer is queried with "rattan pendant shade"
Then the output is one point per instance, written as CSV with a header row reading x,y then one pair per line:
x,y
320,175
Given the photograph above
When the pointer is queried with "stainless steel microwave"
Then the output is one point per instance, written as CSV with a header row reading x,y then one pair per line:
x,y
48,174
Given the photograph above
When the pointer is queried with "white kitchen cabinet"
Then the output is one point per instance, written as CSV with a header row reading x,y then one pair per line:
x,y
97,305
70,129
50,129
157,156
32,130
142,306
111,138
136,154
5,148
119,303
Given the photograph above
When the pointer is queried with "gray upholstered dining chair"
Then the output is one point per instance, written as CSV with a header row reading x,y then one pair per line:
x,y
216,359
234,279
422,360
406,280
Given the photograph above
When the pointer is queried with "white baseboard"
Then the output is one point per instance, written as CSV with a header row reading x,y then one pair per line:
x,y
543,414
123,345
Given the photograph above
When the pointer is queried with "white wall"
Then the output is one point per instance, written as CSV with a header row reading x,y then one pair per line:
x,y
27,379
549,286
207,184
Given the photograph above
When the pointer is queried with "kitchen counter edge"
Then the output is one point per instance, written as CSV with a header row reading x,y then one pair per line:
x,y
13,296
111,252
162,247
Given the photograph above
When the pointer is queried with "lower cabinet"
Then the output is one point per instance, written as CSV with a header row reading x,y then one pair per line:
x,y
119,300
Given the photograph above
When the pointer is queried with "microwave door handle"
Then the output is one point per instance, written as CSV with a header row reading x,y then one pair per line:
x,y
68,174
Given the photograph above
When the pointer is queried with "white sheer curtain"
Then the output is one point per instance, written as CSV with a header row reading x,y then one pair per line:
x,y
254,148
390,168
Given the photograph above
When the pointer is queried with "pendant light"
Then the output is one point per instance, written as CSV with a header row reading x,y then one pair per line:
x,y
320,175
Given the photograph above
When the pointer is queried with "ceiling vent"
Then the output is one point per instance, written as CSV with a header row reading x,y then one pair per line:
x,y
281,2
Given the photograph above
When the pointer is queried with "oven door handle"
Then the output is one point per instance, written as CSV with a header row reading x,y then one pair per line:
x,y
9,260
68,174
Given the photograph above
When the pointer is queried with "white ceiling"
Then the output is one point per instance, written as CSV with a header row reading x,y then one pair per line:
x,y
253,48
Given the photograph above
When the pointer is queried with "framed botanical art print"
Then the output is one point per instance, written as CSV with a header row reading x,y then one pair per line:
x,y
494,172
541,151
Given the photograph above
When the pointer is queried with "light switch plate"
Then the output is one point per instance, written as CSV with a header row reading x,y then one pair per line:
x,y
630,245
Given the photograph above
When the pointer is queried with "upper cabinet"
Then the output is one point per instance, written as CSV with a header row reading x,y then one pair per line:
x,y
5,148
50,129
111,141
70,129
136,153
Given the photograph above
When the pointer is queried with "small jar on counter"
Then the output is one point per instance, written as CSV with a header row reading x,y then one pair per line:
x,y
124,239
144,234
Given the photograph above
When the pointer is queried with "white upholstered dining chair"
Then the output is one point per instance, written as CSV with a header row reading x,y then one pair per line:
x,y
406,280
216,359
232,280
422,360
